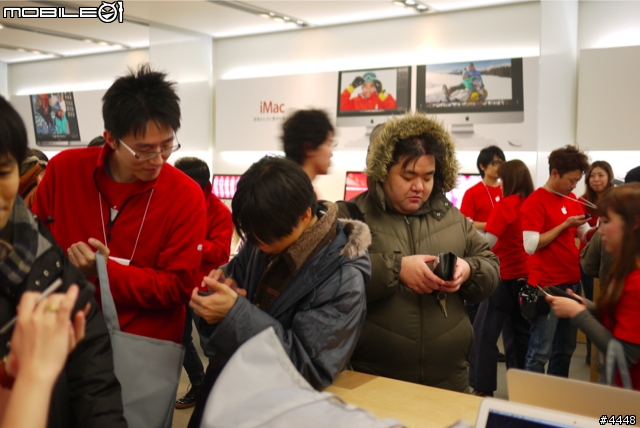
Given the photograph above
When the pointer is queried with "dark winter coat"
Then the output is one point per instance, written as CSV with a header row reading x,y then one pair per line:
x,y
406,335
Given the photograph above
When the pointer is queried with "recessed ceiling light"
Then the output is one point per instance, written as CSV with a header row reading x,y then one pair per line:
x,y
103,43
265,15
272,14
88,40
278,19
286,18
20,50
421,7
117,46
36,52
1,27
299,22
398,3
410,2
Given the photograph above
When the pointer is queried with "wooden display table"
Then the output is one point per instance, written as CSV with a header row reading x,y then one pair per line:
x,y
410,403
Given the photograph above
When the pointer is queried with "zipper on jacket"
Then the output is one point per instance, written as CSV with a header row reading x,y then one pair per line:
x,y
419,298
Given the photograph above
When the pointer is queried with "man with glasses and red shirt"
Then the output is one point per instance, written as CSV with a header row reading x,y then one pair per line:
x,y
124,201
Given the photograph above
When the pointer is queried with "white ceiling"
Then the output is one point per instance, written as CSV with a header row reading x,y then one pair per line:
x,y
30,39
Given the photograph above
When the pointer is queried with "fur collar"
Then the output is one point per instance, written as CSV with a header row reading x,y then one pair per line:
x,y
299,252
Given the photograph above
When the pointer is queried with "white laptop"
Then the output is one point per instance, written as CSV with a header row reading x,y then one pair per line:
x,y
569,395
495,413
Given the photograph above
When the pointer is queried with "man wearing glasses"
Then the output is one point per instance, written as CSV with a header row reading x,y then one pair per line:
x,y
125,202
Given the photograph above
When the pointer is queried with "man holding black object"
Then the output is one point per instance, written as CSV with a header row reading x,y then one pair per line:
x,y
302,272
417,329
552,217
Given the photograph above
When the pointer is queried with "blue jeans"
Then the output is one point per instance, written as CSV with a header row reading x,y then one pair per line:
x,y
191,363
553,340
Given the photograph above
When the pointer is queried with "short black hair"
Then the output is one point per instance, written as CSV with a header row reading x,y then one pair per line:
x,y
196,169
633,175
486,157
304,130
412,148
140,97
270,199
13,134
568,158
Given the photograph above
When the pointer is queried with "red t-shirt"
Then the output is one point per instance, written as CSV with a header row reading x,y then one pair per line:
x,y
504,223
559,262
479,200
627,320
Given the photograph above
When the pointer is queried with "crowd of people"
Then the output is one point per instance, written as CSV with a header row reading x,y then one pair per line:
x,y
396,282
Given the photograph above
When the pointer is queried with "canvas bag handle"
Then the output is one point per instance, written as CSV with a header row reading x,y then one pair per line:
x,y
108,305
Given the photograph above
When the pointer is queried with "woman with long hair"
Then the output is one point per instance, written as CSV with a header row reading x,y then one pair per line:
x,y
615,315
597,180
504,234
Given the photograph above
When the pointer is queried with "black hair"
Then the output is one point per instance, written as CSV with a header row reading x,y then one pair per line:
x,y
37,153
140,97
196,169
486,157
568,158
304,130
270,199
633,175
412,148
13,134
97,142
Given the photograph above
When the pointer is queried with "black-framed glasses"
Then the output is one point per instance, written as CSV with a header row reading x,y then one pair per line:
x,y
144,156
497,162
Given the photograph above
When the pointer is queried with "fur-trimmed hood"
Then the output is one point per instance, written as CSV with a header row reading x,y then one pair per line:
x,y
383,142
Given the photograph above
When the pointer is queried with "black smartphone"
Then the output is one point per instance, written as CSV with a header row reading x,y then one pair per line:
x,y
85,295
587,215
555,291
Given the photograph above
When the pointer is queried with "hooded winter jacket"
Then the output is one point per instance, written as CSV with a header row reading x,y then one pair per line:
x,y
406,335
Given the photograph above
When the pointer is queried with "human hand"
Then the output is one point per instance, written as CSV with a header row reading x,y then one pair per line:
x,y
566,308
44,335
357,82
461,274
415,274
575,221
378,85
218,275
84,258
214,307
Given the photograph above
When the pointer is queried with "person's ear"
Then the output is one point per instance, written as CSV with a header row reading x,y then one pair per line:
x,y
306,216
554,174
482,167
110,140
309,151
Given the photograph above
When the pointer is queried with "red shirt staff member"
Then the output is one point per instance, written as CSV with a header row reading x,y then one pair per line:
x,y
126,202
617,308
373,96
551,218
479,200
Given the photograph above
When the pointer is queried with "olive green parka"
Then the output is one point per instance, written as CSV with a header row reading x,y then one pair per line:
x,y
406,335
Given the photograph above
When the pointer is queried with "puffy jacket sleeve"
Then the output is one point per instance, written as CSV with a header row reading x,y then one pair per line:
x,y
485,267
321,338
385,267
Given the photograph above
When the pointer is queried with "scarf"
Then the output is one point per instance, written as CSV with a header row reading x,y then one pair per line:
x,y
17,257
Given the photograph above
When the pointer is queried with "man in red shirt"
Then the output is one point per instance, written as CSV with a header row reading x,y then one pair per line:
x,y
478,201
216,249
552,217
126,202
372,96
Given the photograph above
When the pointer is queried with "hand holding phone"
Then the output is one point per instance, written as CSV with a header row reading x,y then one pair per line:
x,y
556,292
587,216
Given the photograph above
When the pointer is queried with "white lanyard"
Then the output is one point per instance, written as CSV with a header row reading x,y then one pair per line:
x,y
583,201
104,232
488,193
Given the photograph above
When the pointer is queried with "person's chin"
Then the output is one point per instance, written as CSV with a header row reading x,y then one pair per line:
x,y
150,174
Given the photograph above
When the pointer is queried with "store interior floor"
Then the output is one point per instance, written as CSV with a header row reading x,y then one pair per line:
x,y
579,370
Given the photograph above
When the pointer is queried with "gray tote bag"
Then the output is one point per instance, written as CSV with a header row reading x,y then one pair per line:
x,y
148,369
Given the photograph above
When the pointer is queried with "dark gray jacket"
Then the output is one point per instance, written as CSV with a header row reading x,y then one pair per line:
x,y
318,316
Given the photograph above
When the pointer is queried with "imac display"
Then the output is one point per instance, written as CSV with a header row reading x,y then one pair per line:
x,y
368,97
355,183
465,181
464,93
224,186
55,119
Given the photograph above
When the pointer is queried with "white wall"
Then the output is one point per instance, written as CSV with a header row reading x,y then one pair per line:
x,y
4,79
507,31
607,24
